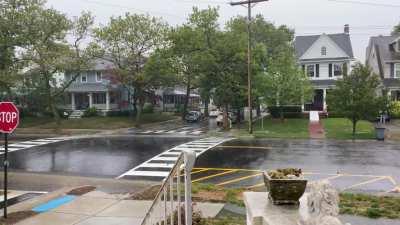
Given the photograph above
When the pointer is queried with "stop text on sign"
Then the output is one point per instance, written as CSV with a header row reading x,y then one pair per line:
x,y
8,117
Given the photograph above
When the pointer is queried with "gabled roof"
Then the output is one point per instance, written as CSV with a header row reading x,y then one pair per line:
x,y
381,44
303,43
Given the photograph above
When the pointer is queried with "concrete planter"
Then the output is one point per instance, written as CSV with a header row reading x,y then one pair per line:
x,y
380,133
285,191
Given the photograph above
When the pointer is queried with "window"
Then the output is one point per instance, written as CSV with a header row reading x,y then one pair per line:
x,y
323,50
397,70
337,70
311,70
99,98
83,78
99,76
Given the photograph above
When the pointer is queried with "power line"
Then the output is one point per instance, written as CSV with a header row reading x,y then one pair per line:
x,y
130,8
366,3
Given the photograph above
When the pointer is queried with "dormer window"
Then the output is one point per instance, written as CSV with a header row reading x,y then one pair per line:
x,y
323,50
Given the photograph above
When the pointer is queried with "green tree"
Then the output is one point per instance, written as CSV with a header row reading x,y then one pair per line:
x,y
396,29
126,42
283,83
230,80
48,52
13,34
355,95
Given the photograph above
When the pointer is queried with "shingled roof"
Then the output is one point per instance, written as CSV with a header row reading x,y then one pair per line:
x,y
303,43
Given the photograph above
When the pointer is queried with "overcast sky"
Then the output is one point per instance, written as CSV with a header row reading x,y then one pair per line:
x,y
305,16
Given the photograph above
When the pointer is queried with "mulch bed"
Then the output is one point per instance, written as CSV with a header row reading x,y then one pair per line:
x,y
148,194
15,217
81,190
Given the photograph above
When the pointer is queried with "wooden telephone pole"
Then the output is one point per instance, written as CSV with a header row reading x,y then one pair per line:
x,y
249,4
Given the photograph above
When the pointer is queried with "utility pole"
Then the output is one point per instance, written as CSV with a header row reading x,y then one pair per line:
x,y
249,4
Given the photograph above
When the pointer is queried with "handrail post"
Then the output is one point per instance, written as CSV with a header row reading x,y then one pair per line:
x,y
190,158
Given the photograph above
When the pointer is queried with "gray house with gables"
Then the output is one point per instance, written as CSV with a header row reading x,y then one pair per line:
x,y
383,56
324,58
96,88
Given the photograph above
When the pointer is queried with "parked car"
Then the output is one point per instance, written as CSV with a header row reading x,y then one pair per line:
x,y
193,116
214,113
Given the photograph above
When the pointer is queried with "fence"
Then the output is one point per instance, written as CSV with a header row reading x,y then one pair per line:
x,y
167,206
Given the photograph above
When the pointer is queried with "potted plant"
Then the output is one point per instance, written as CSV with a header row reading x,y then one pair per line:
x,y
285,186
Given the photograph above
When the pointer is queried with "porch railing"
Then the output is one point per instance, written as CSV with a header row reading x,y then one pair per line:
x,y
168,202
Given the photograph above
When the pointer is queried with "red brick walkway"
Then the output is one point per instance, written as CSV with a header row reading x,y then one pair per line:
x,y
316,130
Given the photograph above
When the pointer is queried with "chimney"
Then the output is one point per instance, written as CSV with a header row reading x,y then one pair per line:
x,y
347,29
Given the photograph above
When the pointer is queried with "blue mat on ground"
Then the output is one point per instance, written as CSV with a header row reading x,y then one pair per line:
x,y
53,204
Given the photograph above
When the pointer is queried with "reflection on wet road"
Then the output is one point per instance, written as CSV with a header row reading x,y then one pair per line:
x,y
360,164
92,157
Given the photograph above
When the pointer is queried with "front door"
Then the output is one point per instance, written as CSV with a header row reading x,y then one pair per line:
x,y
318,103
82,101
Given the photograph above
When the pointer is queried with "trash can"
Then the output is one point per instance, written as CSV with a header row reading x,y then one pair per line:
x,y
380,133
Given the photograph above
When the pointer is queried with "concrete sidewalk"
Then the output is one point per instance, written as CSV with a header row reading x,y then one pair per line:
x,y
98,208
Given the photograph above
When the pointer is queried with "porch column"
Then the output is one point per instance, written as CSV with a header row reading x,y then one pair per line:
x,y
73,101
90,100
107,101
325,106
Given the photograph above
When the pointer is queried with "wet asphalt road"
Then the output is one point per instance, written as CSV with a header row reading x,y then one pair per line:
x,y
102,157
317,156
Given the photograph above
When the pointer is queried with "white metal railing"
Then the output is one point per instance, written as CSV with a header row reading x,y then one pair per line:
x,y
168,202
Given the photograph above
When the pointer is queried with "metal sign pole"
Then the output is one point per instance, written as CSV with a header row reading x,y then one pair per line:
x,y
5,173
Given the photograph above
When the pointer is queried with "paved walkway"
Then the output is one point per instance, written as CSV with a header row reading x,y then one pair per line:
x,y
316,130
98,208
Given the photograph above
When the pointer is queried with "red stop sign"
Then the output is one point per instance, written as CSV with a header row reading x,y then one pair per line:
x,y
9,117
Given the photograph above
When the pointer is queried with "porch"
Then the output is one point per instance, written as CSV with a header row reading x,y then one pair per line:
x,y
102,101
318,102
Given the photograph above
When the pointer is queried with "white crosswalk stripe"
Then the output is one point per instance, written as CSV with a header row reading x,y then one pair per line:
x,y
182,130
156,167
32,143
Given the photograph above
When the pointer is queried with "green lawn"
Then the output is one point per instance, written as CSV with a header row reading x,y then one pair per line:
x,y
276,128
341,128
94,122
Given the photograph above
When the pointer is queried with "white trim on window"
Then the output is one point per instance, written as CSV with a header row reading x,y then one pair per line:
x,y
308,71
99,74
83,76
335,66
397,70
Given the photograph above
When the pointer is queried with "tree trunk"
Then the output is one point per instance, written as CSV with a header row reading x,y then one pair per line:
x,y
354,121
53,108
226,120
139,113
281,113
140,100
185,104
206,103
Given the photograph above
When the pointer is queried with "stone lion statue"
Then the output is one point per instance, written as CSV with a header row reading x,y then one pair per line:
x,y
323,205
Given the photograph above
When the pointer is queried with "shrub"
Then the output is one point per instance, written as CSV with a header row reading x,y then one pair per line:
x,y
288,111
90,112
148,108
374,213
394,109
